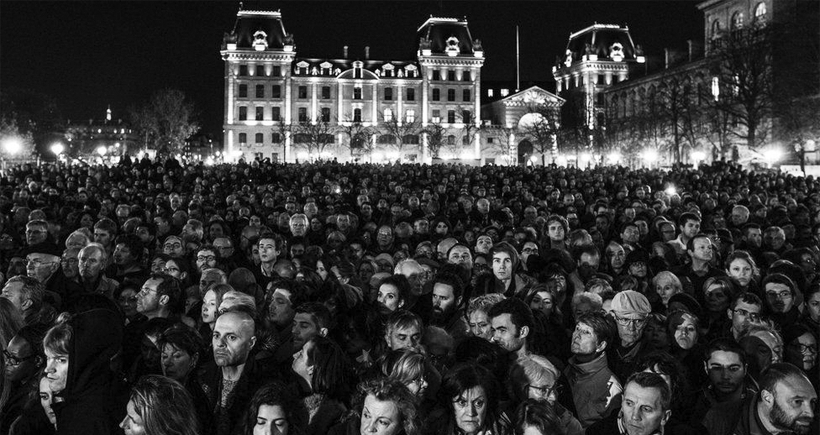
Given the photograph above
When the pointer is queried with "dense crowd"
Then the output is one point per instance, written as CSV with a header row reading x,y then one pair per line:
x,y
260,298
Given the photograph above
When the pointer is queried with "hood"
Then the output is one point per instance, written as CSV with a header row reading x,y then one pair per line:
x,y
97,338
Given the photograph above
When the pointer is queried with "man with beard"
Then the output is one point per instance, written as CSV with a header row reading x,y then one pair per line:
x,y
781,294
786,404
231,378
588,260
718,405
448,312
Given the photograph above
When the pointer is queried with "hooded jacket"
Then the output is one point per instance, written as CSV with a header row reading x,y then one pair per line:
x,y
93,402
595,389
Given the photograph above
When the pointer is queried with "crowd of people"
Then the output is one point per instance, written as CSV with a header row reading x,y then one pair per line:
x,y
159,297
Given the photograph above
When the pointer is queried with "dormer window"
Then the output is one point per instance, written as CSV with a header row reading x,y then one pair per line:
x,y
452,46
260,41
616,52
357,69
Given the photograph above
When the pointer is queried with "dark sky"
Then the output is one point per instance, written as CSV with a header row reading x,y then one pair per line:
x,y
91,54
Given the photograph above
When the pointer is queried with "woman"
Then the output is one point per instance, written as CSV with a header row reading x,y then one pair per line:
x,y
272,410
323,376
385,407
126,297
210,306
666,285
408,367
683,329
535,378
159,405
654,333
811,313
469,395
741,267
477,317
393,293
719,292
537,418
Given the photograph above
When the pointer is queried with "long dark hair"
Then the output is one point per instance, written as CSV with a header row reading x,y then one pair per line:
x,y
333,373
274,394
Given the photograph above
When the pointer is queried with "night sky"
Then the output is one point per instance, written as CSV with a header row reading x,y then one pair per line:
x,y
88,55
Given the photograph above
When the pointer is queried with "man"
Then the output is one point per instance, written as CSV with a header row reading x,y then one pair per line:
x,y
786,404
283,296
739,216
298,225
43,264
781,293
744,310
27,295
205,259
311,319
718,405
461,255
645,408
505,263
629,310
228,255
160,296
105,230
448,312
557,229
128,253
92,260
630,235
588,259
512,324
689,226
24,361
70,263
403,330
36,232
694,275
231,379
595,389
270,246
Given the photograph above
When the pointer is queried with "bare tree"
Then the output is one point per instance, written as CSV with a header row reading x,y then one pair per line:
x,y
165,121
435,138
542,130
403,132
503,141
358,136
313,136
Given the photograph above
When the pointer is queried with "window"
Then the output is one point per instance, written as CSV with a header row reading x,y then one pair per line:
x,y
276,114
260,113
451,140
490,140
357,93
505,92
451,116
275,138
451,94
301,138
436,94
466,76
357,115
386,139
436,116
277,71
303,114
243,70
325,92
260,138
410,139
465,140
388,94
326,138
466,116
436,75
737,20
243,138
411,94
259,156
760,12
274,157
715,29
325,114
716,88
302,92
410,116
260,70
451,75
260,91
465,95
243,91
243,113
388,115
276,91
489,92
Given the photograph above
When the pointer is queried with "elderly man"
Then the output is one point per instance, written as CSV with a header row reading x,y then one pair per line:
x,y
92,261
27,295
629,310
786,404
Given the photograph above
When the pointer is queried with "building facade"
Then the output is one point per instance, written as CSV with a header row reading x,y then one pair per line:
x,y
286,107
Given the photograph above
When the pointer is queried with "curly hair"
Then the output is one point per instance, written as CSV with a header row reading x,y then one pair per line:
x,y
391,390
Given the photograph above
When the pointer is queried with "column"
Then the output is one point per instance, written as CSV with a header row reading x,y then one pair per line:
x,y
314,103
375,104
477,112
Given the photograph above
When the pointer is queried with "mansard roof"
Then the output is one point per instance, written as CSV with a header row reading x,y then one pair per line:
x,y
345,69
249,22
436,31
599,39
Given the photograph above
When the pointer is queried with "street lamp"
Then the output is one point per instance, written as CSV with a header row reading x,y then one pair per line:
x,y
57,148
12,145
101,150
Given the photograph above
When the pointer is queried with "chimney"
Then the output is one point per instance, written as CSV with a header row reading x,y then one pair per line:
x,y
345,51
366,52
667,54
691,44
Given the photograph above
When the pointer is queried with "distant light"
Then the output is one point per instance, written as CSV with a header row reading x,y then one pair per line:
x,y
671,190
585,157
57,148
101,150
561,160
772,155
698,156
302,155
209,161
13,145
613,157
378,157
650,156
533,159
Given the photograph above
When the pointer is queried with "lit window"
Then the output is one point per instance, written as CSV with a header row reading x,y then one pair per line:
x,y
489,92
716,88
737,20
505,92
388,115
760,12
411,116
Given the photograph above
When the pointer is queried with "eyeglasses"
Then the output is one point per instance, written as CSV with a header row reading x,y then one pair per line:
x,y
623,321
13,360
754,316
806,348
546,391
146,290
206,257
38,262
35,231
784,294
172,245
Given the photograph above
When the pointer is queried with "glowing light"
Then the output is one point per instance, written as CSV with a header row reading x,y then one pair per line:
x,y
772,155
378,157
698,156
209,161
57,148
561,160
650,156
13,145
585,157
671,190
613,157
393,155
101,150
533,159
302,155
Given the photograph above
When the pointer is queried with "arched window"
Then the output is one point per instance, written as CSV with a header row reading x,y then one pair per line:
x,y
760,13
387,139
410,139
716,29
737,20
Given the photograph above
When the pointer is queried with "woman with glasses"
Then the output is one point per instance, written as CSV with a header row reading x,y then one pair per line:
x,y
800,349
535,378
410,367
